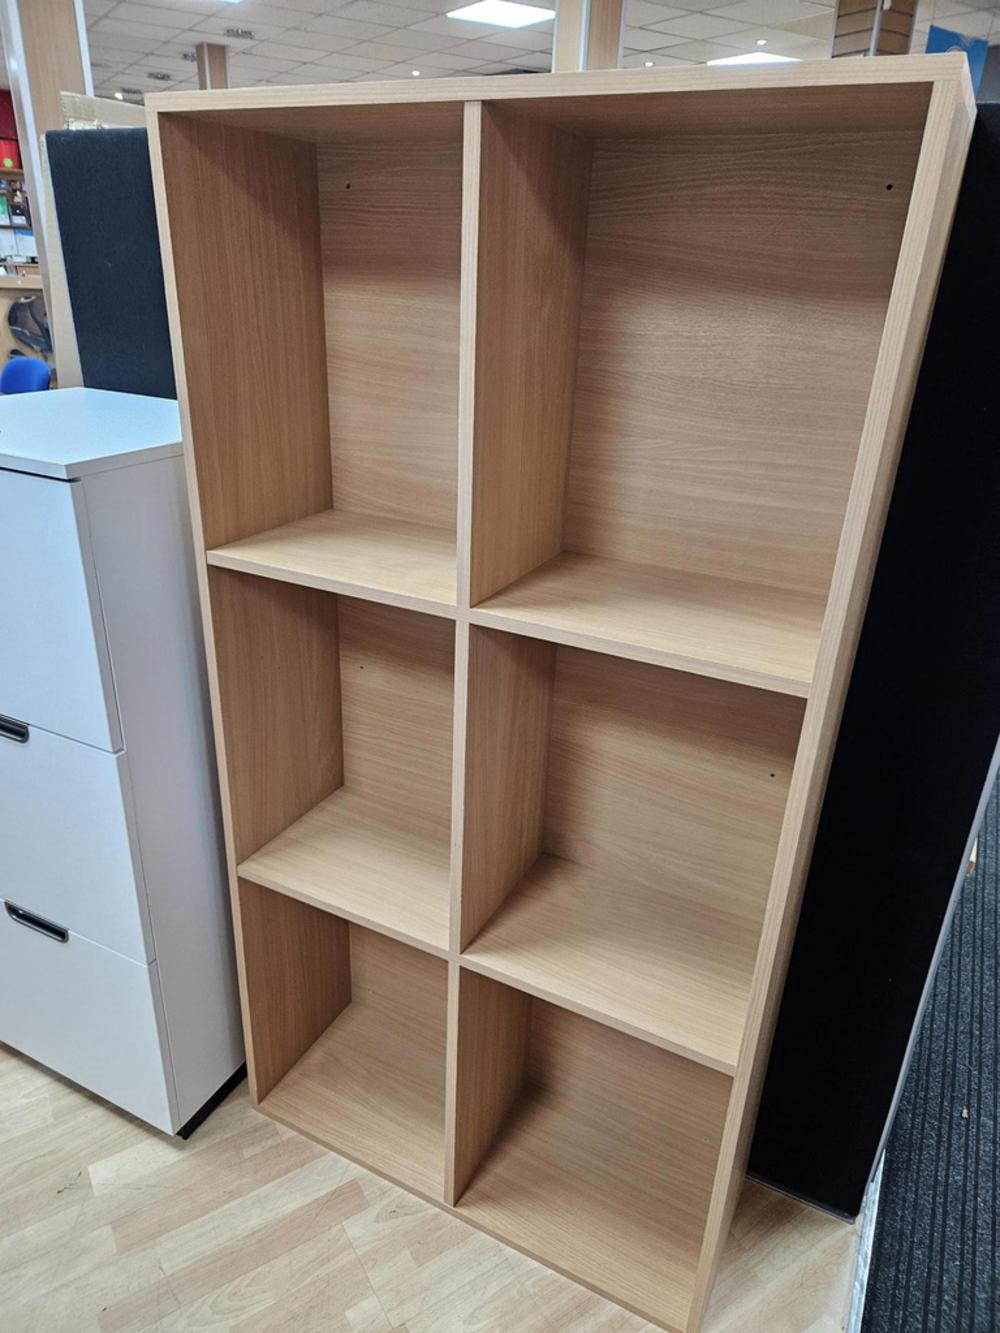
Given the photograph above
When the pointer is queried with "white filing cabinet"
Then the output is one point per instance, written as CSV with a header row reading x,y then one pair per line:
x,y
116,960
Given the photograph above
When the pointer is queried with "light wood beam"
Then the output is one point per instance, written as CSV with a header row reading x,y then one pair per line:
x,y
588,35
213,65
45,46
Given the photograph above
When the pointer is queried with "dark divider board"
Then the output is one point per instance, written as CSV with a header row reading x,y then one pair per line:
x,y
915,757
111,249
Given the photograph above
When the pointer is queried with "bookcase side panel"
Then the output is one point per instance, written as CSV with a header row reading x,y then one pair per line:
x,y
943,150
243,221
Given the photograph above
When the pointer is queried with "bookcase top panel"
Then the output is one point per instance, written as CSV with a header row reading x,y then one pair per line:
x,y
820,94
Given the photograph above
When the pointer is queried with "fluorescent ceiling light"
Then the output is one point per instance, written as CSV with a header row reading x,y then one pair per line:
x,y
502,14
755,58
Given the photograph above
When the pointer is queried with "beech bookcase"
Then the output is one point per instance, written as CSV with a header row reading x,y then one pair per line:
x,y
540,435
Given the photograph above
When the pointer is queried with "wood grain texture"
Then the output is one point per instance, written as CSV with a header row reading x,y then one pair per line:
x,y
385,560
673,972
935,188
349,856
391,221
396,678
725,628
732,311
493,1027
278,701
255,404
613,1137
604,1168
507,731
662,800
372,1085
109,1227
815,94
533,185
297,963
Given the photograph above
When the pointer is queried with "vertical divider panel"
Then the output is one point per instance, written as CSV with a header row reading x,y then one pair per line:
x,y
278,669
493,1024
507,722
468,299
297,963
534,185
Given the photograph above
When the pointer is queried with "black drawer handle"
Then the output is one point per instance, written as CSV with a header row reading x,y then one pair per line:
x,y
12,730
22,918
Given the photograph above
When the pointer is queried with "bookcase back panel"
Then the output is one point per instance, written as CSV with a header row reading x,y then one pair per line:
x,y
249,295
391,226
734,297
668,780
396,674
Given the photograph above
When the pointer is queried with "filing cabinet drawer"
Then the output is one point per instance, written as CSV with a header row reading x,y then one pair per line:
x,y
55,669
66,848
87,1013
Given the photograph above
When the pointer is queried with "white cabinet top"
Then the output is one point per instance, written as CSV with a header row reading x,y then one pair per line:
x,y
67,433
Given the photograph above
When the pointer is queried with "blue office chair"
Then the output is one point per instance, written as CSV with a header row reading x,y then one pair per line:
x,y
24,374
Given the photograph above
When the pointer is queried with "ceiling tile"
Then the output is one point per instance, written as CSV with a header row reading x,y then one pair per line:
x,y
525,39
484,50
443,61
377,11
147,34
342,60
97,8
262,32
644,39
457,28
698,25
641,13
782,40
284,50
341,27
415,40
390,52
769,11
165,18
698,52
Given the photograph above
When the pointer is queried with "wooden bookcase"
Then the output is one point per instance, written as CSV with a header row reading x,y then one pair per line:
x,y
541,432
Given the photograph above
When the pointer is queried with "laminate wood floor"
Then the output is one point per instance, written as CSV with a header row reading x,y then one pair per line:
x,y
107,1226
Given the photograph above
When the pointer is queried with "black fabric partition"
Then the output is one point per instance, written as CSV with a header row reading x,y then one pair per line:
x,y
107,223
923,712
916,745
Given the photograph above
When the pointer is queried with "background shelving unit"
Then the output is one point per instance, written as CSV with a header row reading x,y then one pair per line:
x,y
541,432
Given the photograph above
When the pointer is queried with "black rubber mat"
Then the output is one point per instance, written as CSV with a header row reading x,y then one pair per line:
x,y
935,1258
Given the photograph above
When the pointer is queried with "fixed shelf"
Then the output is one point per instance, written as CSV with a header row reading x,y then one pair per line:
x,y
747,633
352,856
411,565
672,969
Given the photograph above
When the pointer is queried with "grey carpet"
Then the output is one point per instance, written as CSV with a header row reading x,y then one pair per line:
x,y
935,1260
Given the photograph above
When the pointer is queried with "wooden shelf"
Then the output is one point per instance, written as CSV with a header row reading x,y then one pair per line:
x,y
350,855
603,1167
743,632
666,967
371,1086
537,563
377,559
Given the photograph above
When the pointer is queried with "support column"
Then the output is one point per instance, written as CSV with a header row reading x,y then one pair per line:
x,y
873,27
213,65
588,35
45,45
